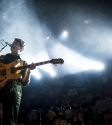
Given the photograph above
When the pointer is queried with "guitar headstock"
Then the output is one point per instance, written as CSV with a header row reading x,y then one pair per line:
x,y
57,61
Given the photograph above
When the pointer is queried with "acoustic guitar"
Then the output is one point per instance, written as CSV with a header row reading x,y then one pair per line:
x,y
12,70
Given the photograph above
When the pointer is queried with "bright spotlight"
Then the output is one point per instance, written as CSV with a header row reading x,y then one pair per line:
x,y
43,55
87,21
47,37
53,73
75,62
95,65
36,73
64,34
48,68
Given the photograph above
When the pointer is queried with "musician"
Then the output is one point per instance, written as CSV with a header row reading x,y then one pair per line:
x,y
10,94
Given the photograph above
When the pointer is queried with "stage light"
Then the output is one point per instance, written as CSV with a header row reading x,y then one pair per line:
x,y
44,63
94,65
75,62
47,38
53,73
36,73
87,21
48,68
64,35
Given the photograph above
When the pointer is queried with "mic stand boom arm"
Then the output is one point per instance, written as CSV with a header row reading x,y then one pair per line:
x,y
3,47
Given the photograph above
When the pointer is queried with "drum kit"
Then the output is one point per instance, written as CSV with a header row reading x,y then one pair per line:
x,y
64,116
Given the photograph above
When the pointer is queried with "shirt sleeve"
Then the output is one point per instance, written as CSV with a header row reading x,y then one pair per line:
x,y
23,74
1,58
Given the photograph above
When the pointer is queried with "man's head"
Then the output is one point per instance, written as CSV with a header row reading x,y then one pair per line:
x,y
18,46
20,41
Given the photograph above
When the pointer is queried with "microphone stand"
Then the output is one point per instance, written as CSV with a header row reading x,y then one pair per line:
x,y
40,112
3,45
3,48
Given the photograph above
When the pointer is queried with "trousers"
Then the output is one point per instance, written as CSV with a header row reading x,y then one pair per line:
x,y
10,98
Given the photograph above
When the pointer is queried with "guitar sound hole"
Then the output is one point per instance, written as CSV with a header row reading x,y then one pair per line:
x,y
3,72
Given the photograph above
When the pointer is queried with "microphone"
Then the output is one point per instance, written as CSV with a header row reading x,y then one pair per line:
x,y
8,44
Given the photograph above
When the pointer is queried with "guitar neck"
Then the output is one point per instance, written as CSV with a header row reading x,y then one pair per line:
x,y
37,64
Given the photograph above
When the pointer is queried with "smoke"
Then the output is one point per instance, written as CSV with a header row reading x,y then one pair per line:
x,y
88,34
20,21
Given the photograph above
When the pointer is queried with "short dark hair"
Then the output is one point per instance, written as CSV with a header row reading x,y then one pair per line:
x,y
20,41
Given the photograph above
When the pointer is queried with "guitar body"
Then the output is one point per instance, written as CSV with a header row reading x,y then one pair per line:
x,y
6,74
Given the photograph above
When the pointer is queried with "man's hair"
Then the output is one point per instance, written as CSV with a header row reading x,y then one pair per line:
x,y
20,41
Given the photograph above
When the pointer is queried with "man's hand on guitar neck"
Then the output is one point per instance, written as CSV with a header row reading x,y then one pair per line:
x,y
32,66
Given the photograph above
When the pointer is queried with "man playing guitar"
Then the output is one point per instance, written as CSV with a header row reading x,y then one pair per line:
x,y
11,89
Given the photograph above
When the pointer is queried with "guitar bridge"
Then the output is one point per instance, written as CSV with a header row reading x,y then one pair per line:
x,y
13,70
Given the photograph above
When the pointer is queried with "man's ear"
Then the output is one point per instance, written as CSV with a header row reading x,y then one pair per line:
x,y
21,49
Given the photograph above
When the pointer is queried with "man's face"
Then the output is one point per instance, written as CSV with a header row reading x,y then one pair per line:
x,y
16,48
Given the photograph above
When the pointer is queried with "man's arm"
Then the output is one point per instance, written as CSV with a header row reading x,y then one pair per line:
x,y
26,76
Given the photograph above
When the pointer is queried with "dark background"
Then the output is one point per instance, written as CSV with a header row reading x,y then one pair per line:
x,y
89,24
